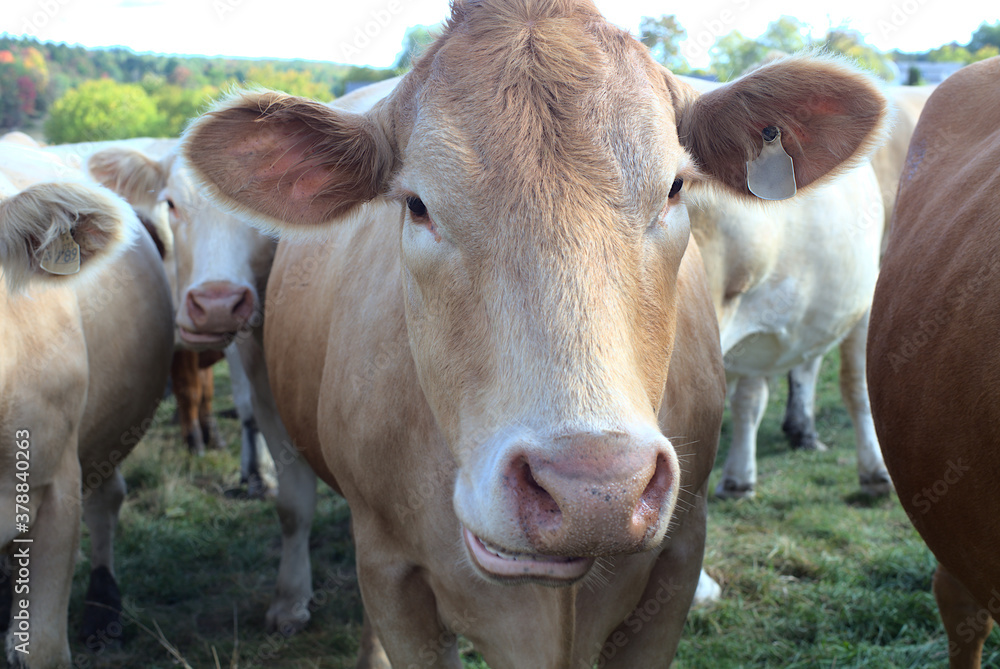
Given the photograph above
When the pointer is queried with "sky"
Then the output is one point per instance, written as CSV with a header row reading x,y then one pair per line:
x,y
370,32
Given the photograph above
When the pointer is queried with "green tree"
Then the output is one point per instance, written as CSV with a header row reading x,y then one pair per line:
x,y
293,82
787,34
663,37
179,105
416,39
852,44
734,54
100,110
986,35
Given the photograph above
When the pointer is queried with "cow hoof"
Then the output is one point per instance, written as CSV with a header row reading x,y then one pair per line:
x,y
708,590
286,619
195,443
102,626
211,436
730,489
877,485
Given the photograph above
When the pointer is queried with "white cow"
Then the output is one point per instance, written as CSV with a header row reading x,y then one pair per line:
x,y
789,282
83,367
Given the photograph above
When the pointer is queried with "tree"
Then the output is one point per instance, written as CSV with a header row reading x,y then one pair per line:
x,y
100,110
663,37
986,35
787,34
852,44
288,81
734,54
416,39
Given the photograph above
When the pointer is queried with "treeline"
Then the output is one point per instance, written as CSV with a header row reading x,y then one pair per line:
x,y
732,53
94,94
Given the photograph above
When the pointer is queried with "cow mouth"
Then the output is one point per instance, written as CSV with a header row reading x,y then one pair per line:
x,y
205,339
497,564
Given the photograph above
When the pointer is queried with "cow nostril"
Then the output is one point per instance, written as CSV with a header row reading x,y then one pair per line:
x,y
535,501
244,308
655,495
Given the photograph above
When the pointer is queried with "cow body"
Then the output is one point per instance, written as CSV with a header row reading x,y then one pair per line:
x,y
790,281
932,353
497,339
83,369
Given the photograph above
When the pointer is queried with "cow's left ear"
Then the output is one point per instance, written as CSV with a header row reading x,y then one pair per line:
x,y
58,228
288,162
830,115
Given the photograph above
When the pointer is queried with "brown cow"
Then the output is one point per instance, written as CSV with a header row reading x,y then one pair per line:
x,y
933,358
84,366
507,316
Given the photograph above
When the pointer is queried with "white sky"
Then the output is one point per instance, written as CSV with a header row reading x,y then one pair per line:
x,y
370,32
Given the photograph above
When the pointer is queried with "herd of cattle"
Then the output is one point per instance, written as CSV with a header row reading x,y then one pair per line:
x,y
524,273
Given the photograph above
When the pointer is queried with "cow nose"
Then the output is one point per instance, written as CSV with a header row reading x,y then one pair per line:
x,y
595,494
219,307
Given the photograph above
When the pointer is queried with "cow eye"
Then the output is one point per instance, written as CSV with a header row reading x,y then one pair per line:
x,y
170,204
676,187
416,206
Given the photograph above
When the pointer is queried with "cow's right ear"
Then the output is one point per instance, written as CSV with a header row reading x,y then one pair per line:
x,y
288,162
60,228
133,175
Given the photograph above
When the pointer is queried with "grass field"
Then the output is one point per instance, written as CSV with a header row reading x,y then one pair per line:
x,y
813,573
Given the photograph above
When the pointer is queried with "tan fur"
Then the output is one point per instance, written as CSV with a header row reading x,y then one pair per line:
x,y
36,217
545,325
933,363
83,368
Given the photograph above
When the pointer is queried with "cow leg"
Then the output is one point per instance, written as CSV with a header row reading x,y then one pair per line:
x,y
296,500
399,594
185,380
958,609
800,413
747,404
55,534
103,603
250,474
872,474
209,427
371,654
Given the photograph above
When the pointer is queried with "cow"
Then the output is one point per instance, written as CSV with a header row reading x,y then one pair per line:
x,y
85,362
221,267
932,348
790,281
140,181
506,358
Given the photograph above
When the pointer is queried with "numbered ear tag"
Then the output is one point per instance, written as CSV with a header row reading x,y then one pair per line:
x,y
62,256
771,176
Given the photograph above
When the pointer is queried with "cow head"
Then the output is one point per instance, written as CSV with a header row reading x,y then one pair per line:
x,y
75,224
219,264
539,158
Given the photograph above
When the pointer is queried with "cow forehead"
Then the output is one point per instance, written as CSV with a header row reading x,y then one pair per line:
x,y
517,108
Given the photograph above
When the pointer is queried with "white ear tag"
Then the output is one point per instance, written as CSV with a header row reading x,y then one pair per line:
x,y
771,176
62,256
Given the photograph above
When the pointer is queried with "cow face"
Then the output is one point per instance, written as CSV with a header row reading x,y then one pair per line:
x,y
536,159
217,264
221,265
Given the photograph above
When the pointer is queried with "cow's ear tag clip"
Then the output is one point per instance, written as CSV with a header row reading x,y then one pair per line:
x,y
62,256
771,176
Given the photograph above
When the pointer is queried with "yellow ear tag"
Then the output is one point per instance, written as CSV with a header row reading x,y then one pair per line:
x,y
771,176
62,256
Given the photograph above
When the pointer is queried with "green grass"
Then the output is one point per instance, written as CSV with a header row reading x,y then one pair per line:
x,y
813,574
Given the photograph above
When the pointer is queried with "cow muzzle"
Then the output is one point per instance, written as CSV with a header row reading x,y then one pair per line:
x,y
561,503
213,312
